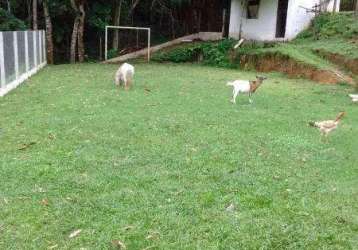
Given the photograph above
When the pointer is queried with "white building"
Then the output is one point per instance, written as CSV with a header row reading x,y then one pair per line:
x,y
270,20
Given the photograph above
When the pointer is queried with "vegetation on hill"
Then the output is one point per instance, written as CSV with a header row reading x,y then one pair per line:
x,y
336,33
327,26
209,53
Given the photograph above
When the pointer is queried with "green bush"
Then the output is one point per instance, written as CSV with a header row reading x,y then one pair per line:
x,y
221,54
178,55
112,53
216,54
9,22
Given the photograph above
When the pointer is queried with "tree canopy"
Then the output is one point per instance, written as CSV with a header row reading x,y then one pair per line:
x,y
77,26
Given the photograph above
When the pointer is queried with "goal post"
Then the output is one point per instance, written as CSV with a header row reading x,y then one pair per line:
x,y
125,28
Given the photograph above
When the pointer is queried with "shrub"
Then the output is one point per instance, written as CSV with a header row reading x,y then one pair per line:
x,y
112,53
9,22
209,53
178,55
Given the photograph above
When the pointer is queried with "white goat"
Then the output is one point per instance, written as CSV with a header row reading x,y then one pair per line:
x,y
124,75
245,86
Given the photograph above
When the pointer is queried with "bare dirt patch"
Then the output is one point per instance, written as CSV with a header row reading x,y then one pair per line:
x,y
282,63
350,64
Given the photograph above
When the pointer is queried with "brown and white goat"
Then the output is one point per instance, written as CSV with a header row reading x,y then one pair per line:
x,y
246,87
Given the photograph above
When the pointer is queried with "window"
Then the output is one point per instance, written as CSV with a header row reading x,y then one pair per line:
x,y
253,9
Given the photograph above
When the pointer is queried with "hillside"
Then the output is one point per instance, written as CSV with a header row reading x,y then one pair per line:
x,y
331,40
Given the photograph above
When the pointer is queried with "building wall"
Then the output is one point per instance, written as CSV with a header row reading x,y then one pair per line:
x,y
264,28
298,18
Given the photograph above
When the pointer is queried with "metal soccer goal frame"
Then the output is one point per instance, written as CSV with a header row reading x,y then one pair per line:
x,y
125,28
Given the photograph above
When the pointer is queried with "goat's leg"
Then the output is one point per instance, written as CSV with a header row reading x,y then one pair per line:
x,y
117,80
125,82
129,83
236,93
250,100
233,94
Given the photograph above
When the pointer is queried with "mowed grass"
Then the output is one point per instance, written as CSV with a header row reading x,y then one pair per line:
x,y
156,167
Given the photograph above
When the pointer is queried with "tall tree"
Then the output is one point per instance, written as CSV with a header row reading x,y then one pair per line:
x,y
8,6
78,31
74,33
48,24
116,22
29,12
335,6
34,15
81,28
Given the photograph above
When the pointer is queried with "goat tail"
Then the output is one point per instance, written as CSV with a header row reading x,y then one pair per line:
x,y
312,124
230,84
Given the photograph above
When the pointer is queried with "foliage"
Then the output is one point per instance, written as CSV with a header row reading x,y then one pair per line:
x,y
220,54
159,165
209,53
111,53
167,18
99,16
253,47
329,25
217,54
178,55
9,22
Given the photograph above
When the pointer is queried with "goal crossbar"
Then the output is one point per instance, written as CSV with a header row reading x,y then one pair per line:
x,y
125,28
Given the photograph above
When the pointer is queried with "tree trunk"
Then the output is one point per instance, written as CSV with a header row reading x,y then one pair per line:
x,y
116,22
100,48
29,12
74,40
335,6
78,30
196,17
8,6
223,29
134,5
172,24
356,9
49,41
34,15
199,20
81,27
74,32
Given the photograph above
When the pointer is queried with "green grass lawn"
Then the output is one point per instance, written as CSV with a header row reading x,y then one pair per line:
x,y
156,167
